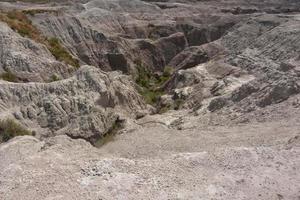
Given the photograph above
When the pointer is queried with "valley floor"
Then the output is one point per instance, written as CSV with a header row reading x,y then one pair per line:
x,y
157,161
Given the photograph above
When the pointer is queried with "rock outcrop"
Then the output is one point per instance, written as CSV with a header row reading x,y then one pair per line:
x,y
28,60
252,67
86,105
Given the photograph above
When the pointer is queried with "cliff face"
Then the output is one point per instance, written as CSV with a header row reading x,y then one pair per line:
x,y
222,78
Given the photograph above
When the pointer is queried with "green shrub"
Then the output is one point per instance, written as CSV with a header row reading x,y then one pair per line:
x,y
167,72
9,129
178,103
60,53
9,76
54,78
150,84
144,76
151,96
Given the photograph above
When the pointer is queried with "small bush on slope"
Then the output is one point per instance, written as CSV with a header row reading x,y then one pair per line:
x,y
60,53
9,76
9,129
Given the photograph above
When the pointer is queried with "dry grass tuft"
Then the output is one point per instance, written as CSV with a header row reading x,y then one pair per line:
x,y
10,129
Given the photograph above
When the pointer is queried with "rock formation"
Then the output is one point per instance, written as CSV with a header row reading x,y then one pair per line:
x,y
222,77
86,105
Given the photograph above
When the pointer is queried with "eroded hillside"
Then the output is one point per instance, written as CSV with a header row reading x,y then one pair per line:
x,y
149,99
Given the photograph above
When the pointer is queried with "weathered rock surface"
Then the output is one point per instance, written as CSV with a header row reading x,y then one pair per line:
x,y
99,29
235,85
253,68
219,162
28,60
86,105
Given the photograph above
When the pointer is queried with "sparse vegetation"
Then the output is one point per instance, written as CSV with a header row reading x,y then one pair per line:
x,y
33,12
19,22
109,136
150,84
151,96
151,87
167,72
9,129
178,103
54,78
164,109
8,76
60,53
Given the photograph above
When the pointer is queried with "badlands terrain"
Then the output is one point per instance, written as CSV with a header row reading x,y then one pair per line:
x,y
149,99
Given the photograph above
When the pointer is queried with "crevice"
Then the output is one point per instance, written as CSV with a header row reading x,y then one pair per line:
x,y
98,140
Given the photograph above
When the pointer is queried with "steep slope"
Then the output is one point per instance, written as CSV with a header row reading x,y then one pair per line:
x,y
27,59
253,66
